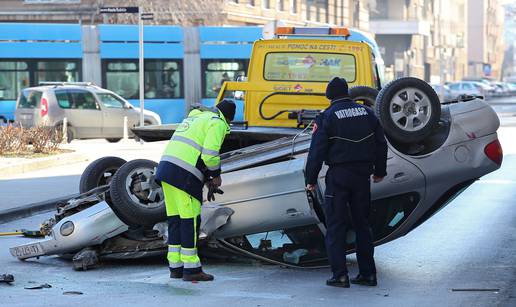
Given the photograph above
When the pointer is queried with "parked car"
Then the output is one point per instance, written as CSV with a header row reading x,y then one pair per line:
x,y
266,213
469,88
443,91
91,111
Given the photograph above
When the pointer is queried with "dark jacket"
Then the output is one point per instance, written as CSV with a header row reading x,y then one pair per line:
x,y
347,133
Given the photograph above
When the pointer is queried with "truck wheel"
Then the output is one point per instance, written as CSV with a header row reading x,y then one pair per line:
x,y
136,198
408,109
364,94
99,172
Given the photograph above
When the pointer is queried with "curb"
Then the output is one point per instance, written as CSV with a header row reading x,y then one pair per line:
x,y
41,163
32,209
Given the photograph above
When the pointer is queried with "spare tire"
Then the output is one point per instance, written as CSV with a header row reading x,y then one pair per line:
x,y
136,197
408,109
99,172
364,94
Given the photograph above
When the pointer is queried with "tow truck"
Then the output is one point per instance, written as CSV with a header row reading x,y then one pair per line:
x,y
286,81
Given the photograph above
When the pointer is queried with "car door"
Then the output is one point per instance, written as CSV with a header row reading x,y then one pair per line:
x,y
394,199
82,112
113,112
266,198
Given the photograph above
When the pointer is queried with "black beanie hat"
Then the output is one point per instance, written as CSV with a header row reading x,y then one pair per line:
x,y
228,108
337,87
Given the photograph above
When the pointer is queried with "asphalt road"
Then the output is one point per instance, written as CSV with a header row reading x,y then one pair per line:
x,y
465,255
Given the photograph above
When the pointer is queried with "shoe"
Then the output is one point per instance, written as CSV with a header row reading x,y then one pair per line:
x,y
365,280
201,276
176,273
342,282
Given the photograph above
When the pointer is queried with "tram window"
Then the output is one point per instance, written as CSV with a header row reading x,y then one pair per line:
x,y
162,78
14,76
216,72
56,70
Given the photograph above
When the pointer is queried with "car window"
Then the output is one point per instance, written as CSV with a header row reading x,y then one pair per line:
x,y
454,86
111,101
76,99
304,66
63,99
29,99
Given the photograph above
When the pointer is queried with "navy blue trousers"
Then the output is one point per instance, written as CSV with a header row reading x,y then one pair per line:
x,y
348,194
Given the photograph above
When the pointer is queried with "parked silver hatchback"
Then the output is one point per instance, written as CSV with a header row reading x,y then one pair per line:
x,y
91,111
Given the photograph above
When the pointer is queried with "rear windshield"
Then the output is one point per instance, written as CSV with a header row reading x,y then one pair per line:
x,y
29,99
309,66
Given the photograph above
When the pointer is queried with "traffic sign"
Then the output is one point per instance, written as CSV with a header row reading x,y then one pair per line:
x,y
147,16
119,10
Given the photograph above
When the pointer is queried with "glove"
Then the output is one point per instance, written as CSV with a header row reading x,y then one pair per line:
x,y
212,189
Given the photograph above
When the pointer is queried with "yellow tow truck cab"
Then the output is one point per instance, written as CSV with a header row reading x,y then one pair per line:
x,y
286,82
290,73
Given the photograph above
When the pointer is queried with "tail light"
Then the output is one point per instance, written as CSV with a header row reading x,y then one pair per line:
x,y
494,152
44,107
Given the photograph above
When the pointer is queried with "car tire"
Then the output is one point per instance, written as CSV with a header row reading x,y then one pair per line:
x,y
408,109
130,199
365,94
69,132
99,172
113,140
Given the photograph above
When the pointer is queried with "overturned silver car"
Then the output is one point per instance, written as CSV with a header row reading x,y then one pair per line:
x,y
266,213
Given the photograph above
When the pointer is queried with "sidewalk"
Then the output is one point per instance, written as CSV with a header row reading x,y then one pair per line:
x,y
35,186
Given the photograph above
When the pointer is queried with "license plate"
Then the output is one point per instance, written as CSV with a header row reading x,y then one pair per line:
x,y
26,116
27,251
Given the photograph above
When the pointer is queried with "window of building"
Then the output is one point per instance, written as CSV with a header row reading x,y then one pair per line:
x,y
293,6
162,78
280,5
304,66
266,4
252,2
76,99
14,76
216,72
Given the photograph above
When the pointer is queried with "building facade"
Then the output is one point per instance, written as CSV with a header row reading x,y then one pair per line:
x,y
353,13
422,38
485,38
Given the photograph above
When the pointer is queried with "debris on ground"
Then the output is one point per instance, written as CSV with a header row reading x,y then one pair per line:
x,y
38,287
7,278
73,293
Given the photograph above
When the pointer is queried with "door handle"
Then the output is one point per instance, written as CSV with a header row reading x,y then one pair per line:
x,y
400,177
293,212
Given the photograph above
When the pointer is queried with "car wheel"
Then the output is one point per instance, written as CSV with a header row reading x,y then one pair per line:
x,y
99,173
69,132
137,199
113,140
408,109
364,94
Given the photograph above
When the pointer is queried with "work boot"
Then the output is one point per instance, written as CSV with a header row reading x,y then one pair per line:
x,y
365,280
342,281
201,276
176,272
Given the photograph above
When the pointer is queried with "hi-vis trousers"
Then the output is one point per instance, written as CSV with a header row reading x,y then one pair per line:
x,y
184,217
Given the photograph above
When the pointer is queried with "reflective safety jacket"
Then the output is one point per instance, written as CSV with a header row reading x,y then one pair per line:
x,y
193,152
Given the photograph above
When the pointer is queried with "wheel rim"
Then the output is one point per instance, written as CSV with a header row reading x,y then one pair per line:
x,y
410,109
143,189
